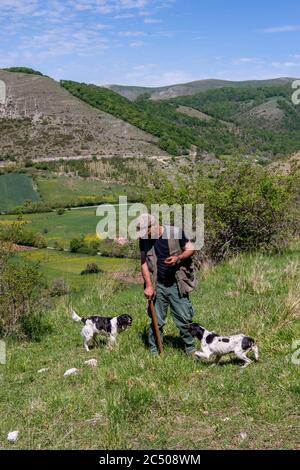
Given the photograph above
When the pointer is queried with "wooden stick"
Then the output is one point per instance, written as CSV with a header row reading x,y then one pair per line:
x,y
155,326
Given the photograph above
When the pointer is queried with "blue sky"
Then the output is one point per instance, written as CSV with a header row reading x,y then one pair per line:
x,y
152,42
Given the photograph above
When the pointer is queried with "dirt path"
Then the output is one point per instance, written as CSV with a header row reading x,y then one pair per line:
x,y
159,158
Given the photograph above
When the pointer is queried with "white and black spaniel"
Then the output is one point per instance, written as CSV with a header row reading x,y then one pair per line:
x,y
214,346
104,326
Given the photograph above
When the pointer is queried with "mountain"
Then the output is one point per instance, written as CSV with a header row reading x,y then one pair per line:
x,y
42,119
45,119
172,91
247,120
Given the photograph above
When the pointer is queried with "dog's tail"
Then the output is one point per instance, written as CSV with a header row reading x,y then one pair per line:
x,y
76,317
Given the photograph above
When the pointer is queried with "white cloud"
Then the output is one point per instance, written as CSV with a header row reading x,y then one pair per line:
x,y
281,29
151,21
128,34
137,44
152,75
247,60
285,64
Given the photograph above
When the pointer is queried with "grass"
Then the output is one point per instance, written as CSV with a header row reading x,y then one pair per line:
x,y
15,189
55,264
60,228
65,190
63,228
132,400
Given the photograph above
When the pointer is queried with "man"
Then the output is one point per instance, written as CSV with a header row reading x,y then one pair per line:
x,y
167,269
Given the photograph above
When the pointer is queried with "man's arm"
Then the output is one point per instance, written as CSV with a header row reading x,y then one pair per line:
x,y
149,291
187,252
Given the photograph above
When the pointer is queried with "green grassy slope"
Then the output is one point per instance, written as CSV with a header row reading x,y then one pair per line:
x,y
15,189
134,401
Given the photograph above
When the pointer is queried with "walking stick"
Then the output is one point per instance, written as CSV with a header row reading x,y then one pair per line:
x,y
156,328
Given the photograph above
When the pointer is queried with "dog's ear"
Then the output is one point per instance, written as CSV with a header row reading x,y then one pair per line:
x,y
196,330
124,321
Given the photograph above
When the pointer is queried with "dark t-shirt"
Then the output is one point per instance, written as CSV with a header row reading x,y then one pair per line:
x,y
165,273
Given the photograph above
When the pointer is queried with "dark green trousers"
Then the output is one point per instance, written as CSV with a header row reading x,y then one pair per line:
x,y
181,310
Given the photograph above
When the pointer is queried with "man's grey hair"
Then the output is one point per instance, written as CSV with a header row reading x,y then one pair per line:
x,y
146,221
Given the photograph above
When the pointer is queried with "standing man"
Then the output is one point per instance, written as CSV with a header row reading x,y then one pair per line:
x,y
167,269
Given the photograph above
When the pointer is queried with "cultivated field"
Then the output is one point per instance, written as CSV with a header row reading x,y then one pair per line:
x,y
15,189
134,401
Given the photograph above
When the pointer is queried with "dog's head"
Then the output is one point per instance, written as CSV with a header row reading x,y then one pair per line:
x,y
124,322
196,330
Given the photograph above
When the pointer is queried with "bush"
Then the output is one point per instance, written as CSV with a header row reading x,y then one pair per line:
x,y
76,244
17,233
113,249
91,268
24,300
60,211
59,288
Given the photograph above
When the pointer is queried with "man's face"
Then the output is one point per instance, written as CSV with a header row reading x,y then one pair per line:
x,y
153,231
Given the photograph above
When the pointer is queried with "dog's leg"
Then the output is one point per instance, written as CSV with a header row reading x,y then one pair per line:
x,y
203,355
111,342
87,337
243,357
217,358
256,353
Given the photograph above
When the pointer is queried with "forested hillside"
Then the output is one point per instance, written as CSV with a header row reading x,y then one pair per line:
x,y
258,121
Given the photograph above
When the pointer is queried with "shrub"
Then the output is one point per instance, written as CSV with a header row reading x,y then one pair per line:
x,y
59,288
17,233
76,244
60,211
24,300
91,268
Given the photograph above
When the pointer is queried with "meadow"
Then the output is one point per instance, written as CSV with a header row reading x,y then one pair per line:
x,y
65,189
135,401
55,264
56,190
15,189
60,228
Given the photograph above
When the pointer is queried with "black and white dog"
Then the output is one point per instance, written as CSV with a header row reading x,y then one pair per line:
x,y
104,326
215,346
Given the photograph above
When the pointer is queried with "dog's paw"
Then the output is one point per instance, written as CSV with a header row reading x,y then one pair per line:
x,y
246,365
197,355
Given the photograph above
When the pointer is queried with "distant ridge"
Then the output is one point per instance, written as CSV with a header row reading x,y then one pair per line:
x,y
191,88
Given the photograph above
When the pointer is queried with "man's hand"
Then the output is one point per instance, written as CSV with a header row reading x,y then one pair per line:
x,y
172,260
149,292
